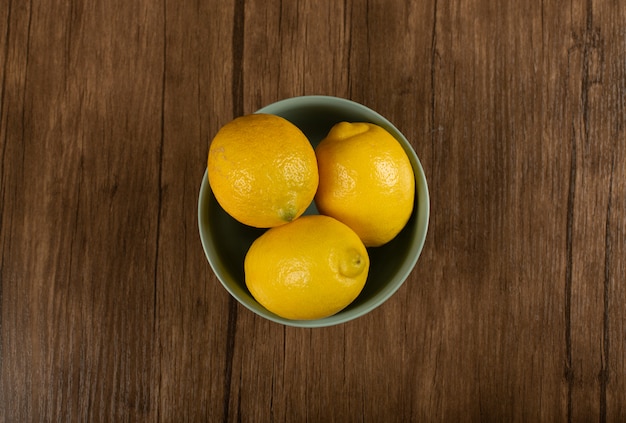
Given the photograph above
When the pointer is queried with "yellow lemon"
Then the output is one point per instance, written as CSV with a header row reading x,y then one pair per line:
x,y
308,269
365,180
262,170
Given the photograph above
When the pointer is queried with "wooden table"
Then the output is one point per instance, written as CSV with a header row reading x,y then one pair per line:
x,y
516,310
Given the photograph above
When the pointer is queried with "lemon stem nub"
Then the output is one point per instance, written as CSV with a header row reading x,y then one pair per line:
x,y
288,213
352,264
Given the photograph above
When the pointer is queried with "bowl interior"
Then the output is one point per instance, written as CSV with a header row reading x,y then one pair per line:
x,y
226,241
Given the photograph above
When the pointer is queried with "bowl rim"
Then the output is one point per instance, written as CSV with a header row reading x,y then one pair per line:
x,y
421,227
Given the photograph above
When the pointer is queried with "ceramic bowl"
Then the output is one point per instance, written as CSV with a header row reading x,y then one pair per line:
x,y
226,241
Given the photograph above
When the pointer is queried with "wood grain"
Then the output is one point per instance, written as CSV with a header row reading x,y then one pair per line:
x,y
514,312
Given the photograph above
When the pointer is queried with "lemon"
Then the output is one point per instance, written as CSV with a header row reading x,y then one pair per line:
x,y
308,269
365,180
262,170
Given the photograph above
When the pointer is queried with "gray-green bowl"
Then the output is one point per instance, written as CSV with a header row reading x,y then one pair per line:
x,y
226,241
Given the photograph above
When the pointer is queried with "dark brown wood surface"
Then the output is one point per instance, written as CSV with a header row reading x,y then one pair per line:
x,y
516,310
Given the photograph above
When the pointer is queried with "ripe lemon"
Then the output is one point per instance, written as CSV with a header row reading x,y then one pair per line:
x,y
366,181
308,269
262,170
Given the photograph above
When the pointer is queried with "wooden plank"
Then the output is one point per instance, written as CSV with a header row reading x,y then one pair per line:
x,y
597,138
495,201
80,202
195,316
599,261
